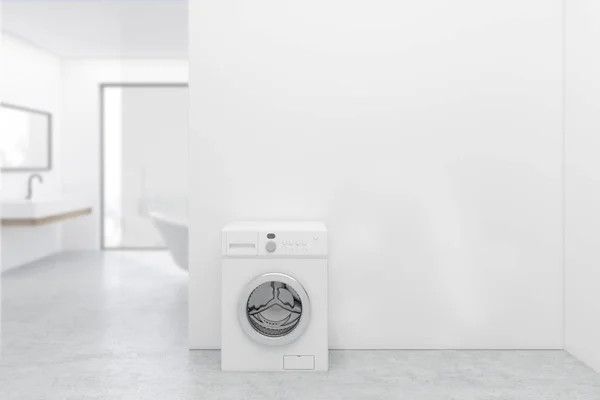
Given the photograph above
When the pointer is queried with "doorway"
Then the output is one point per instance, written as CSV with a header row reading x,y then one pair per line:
x,y
144,165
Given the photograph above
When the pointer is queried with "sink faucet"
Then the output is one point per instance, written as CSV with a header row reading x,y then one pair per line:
x,y
30,184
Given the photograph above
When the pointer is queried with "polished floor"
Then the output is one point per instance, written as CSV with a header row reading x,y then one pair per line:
x,y
114,326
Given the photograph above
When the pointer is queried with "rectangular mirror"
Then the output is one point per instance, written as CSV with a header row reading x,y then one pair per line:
x,y
25,139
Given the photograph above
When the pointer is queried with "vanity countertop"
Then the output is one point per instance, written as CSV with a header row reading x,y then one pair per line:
x,y
42,211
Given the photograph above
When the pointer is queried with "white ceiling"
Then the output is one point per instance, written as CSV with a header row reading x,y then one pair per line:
x,y
100,28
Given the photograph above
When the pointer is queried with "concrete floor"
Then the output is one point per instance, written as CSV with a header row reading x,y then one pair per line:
x,y
114,326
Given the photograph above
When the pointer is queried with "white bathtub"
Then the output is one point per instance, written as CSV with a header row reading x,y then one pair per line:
x,y
174,232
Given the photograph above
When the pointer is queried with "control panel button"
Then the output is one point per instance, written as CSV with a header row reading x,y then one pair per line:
x,y
297,243
284,242
304,243
271,246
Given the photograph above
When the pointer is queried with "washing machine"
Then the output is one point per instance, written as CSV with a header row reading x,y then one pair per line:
x,y
274,297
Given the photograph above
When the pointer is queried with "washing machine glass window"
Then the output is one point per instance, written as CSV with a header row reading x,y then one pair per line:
x,y
274,309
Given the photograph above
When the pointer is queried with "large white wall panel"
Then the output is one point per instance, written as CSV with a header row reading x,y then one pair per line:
x,y
426,134
583,182
1,187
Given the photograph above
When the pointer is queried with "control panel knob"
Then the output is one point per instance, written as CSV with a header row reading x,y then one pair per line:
x,y
271,246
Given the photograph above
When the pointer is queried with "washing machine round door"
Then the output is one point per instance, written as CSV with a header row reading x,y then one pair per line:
x,y
274,309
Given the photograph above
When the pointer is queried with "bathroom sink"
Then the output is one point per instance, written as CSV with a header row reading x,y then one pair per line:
x,y
43,207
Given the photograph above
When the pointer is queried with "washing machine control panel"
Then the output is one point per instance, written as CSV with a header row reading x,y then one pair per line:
x,y
292,244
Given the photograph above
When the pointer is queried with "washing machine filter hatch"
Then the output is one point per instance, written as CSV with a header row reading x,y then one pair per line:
x,y
274,309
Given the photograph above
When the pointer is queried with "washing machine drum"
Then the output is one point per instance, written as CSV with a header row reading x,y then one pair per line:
x,y
274,309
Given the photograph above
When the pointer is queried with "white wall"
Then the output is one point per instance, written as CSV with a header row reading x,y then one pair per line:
x,y
32,78
426,134
23,245
80,158
583,182
1,173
